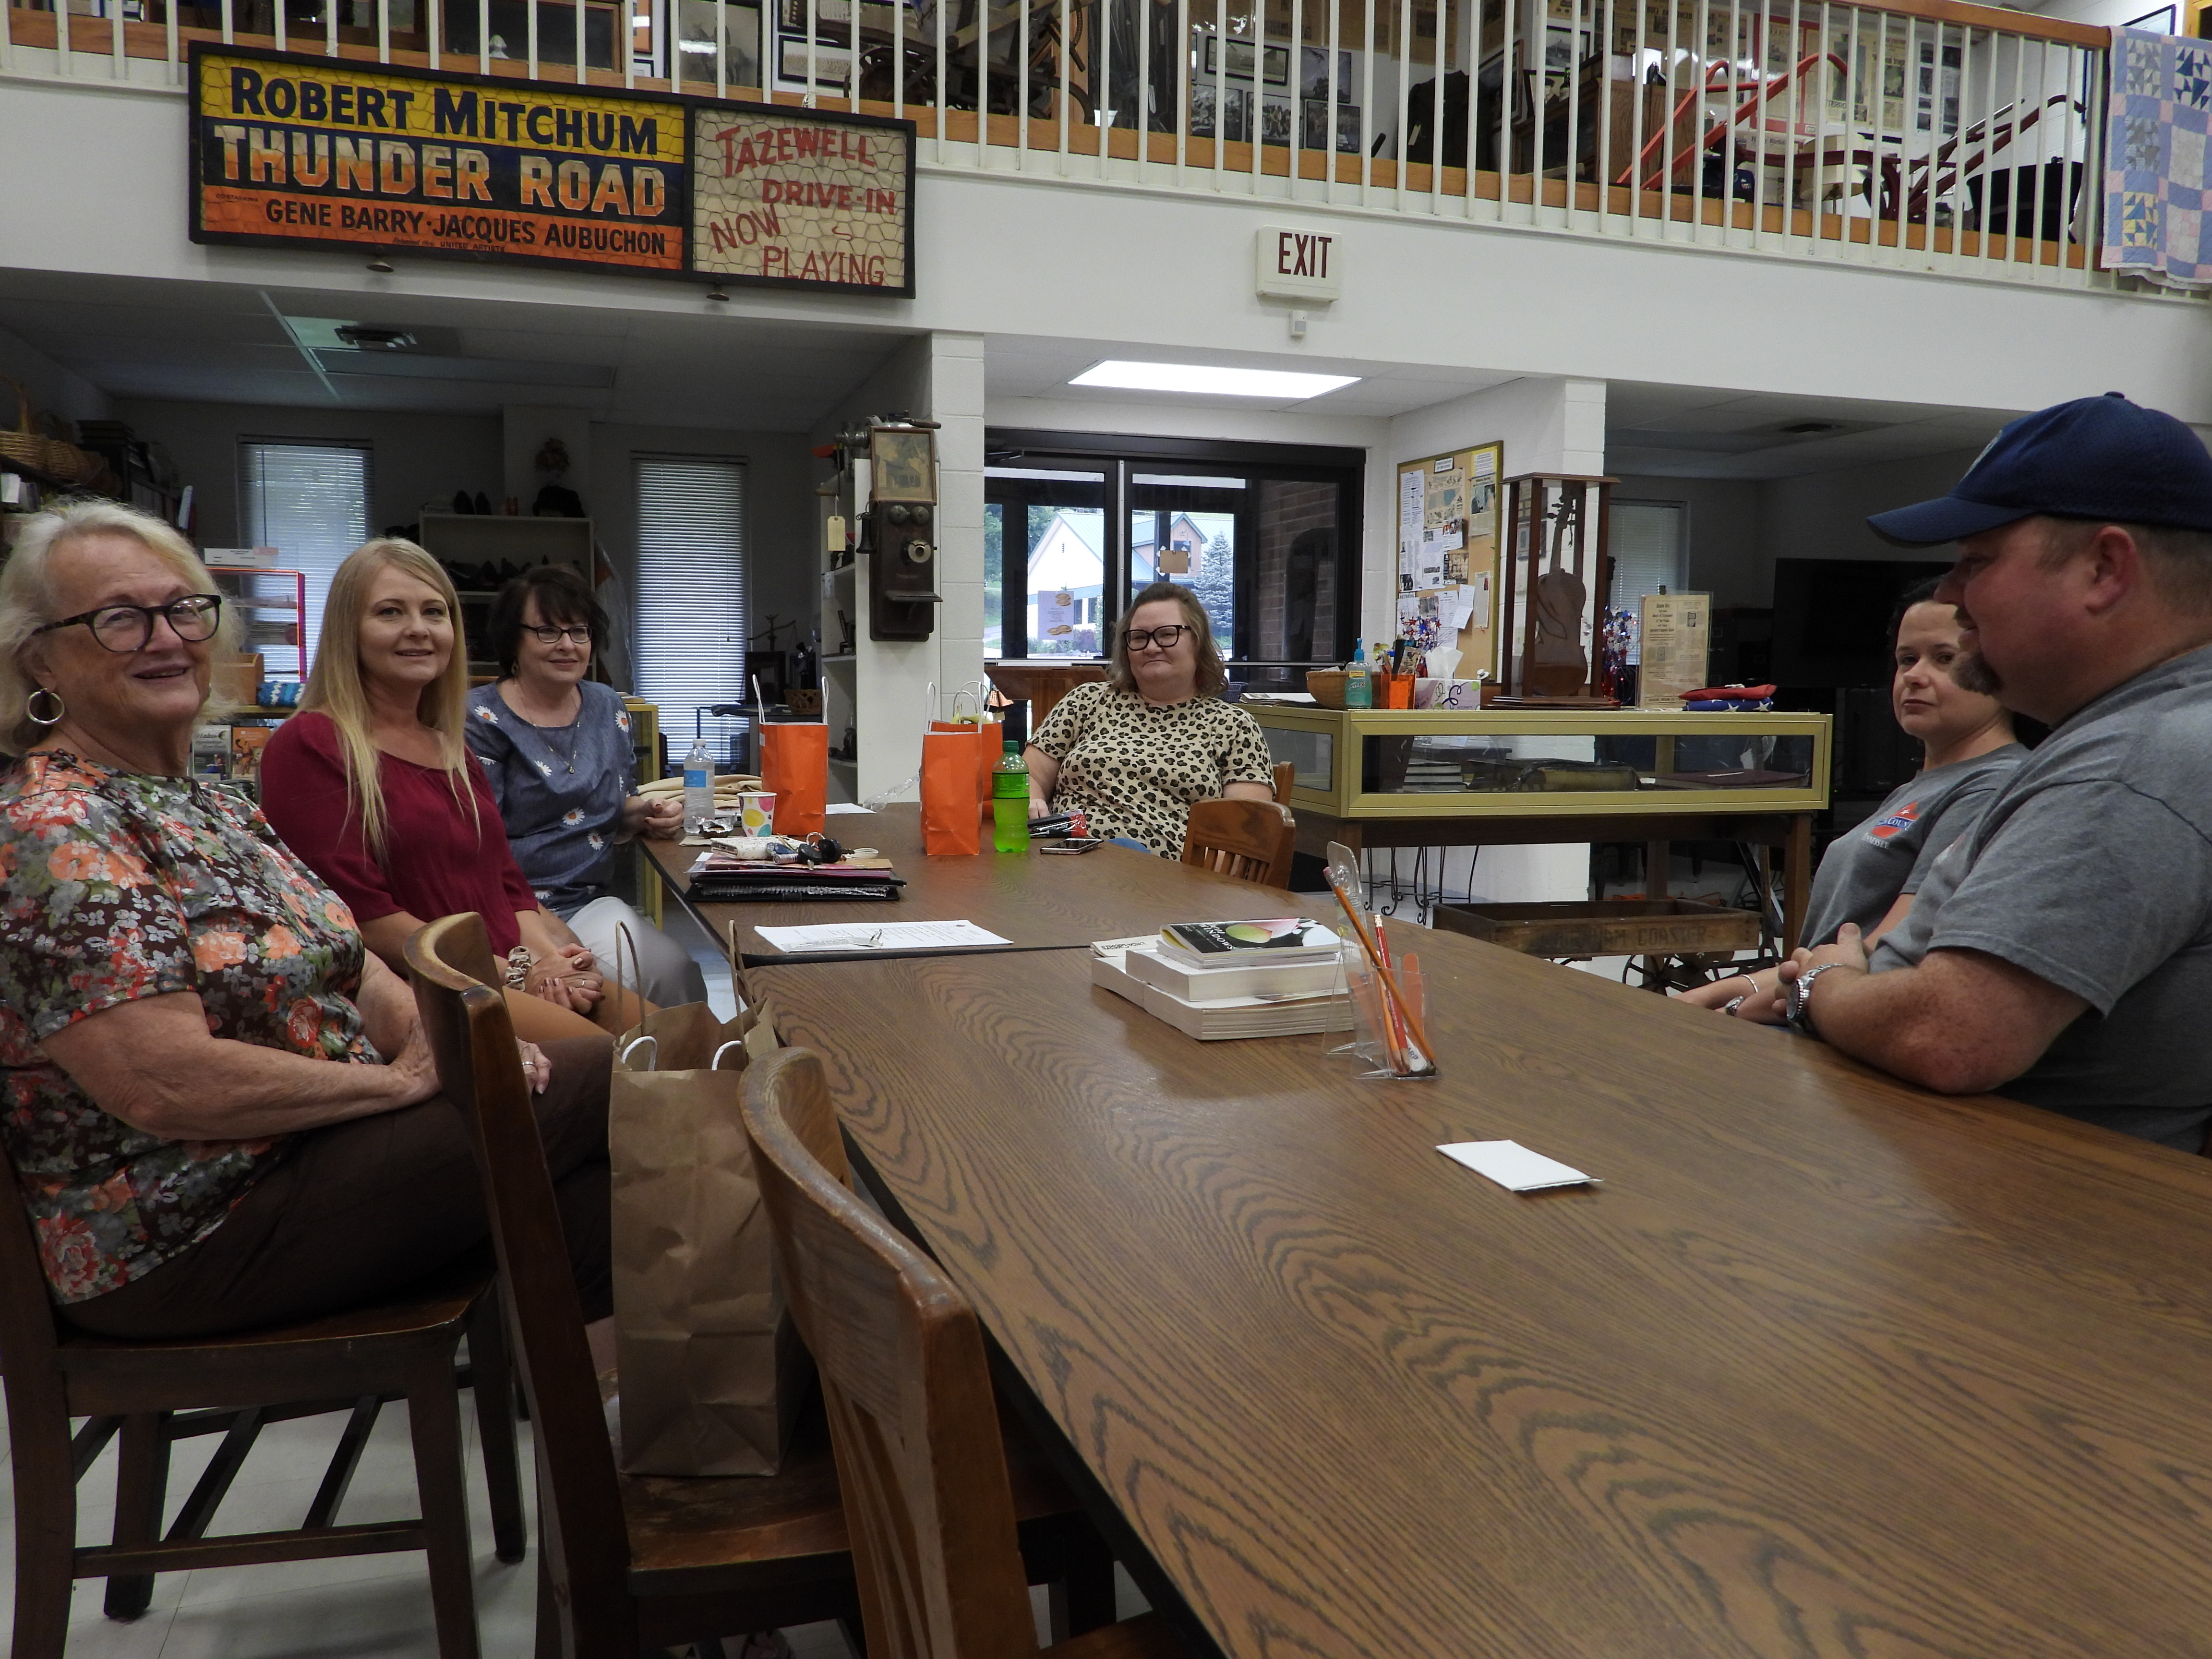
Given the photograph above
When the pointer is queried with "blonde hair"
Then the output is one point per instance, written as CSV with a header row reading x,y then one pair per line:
x,y
335,688
27,596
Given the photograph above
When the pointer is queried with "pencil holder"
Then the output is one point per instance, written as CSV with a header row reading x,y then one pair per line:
x,y
1365,1025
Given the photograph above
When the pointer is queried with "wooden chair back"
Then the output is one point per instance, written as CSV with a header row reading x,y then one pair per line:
x,y
912,1415
1250,840
584,1541
1286,773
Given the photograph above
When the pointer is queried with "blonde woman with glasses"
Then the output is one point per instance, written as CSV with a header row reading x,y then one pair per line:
x,y
372,784
220,1108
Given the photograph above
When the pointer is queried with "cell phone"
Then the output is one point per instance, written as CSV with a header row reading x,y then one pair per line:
x,y
1074,845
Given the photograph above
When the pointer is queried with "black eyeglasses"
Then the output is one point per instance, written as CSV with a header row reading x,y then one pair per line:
x,y
123,629
1166,638
581,633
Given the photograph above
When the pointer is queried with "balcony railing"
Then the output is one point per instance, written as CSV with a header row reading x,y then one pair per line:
x,y
1923,135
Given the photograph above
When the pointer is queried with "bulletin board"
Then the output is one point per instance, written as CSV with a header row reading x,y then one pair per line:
x,y
1447,569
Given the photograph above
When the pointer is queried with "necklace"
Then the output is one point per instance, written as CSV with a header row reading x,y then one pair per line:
x,y
576,731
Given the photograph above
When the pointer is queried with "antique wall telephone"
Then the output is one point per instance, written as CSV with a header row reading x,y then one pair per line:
x,y
887,498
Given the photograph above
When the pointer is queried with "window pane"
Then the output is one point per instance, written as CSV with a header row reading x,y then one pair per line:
x,y
689,635
310,503
994,580
1185,529
1647,551
1066,576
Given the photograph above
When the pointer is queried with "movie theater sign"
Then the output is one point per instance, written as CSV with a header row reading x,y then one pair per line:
x,y
293,150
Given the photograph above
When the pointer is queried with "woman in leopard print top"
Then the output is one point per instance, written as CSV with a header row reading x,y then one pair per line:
x,y
1134,750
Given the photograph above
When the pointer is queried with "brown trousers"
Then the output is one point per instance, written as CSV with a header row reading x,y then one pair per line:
x,y
361,1210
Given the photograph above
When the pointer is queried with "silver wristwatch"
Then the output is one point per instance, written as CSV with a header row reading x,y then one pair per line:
x,y
1800,997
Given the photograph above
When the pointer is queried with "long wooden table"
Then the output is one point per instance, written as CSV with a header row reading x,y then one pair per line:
x,y
1827,1366
1033,900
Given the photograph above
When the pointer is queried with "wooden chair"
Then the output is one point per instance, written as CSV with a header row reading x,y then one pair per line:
x,y
912,1413
625,1563
1286,773
1250,840
628,1563
153,1393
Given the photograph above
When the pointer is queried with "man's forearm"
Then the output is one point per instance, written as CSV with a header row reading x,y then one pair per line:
x,y
1960,1022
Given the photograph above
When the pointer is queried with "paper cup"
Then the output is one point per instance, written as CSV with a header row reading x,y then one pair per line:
x,y
758,810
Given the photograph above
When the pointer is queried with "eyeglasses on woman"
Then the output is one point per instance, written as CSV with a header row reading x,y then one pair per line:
x,y
579,632
1166,638
123,629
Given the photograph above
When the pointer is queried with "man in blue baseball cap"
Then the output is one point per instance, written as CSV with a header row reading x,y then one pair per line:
x,y
2060,952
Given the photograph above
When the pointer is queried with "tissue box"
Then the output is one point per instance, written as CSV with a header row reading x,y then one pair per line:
x,y
1444,694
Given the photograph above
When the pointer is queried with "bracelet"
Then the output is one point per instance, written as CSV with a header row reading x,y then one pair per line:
x,y
1800,997
519,964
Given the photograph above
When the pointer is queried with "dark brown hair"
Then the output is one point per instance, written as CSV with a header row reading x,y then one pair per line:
x,y
563,600
1213,672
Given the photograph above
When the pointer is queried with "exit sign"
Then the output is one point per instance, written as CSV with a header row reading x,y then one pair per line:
x,y
1298,265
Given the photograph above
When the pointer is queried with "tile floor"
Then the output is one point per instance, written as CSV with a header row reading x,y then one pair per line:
x,y
373,1606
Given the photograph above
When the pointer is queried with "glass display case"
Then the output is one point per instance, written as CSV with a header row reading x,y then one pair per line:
x,y
1384,763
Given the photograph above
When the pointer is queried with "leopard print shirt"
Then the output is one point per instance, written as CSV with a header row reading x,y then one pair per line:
x,y
1136,768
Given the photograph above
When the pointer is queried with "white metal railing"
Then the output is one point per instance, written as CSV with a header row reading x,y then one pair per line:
x,y
1916,134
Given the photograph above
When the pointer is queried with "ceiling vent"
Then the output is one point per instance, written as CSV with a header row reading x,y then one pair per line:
x,y
367,336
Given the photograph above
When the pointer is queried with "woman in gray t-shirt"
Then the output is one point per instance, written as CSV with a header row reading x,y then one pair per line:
x,y
1869,874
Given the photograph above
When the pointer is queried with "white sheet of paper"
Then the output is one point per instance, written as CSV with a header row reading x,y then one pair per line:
x,y
886,936
1477,592
1457,608
1412,486
1428,568
847,806
1513,1166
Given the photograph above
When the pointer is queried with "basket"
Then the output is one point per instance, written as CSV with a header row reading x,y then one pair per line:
x,y
63,459
24,445
1325,686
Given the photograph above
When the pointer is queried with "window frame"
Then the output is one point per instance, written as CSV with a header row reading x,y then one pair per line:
x,y
250,533
1119,457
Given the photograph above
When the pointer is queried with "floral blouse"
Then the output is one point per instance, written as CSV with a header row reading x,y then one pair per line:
x,y
115,886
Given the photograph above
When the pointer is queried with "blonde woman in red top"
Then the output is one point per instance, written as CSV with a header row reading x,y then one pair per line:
x,y
372,784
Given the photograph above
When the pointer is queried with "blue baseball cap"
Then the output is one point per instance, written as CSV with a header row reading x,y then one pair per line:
x,y
2094,458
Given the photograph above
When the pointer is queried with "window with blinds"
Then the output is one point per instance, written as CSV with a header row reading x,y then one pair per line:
x,y
1647,551
688,629
310,503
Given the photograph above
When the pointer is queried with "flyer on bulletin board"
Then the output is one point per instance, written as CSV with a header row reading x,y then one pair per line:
x,y
1677,629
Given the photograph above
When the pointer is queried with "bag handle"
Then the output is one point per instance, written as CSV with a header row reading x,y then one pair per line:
x,y
968,692
739,1043
636,1043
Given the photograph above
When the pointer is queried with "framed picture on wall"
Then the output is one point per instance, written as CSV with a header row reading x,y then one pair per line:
x,y
902,465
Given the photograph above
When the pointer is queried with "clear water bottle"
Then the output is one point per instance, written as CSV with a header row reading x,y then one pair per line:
x,y
698,785
1010,802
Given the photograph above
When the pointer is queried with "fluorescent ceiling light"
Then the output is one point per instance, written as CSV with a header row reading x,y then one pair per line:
x,y
1218,382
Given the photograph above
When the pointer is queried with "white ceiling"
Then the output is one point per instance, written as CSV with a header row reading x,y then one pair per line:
x,y
223,343
1682,432
218,342
1022,366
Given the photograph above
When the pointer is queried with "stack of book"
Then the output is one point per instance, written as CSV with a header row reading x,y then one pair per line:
x,y
1216,980
719,876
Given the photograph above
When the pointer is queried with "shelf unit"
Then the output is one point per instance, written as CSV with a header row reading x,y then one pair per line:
x,y
273,607
480,539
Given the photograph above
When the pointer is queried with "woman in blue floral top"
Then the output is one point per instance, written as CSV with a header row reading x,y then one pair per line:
x,y
219,1110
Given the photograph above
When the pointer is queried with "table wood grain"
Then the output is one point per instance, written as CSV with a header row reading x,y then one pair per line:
x,y
1033,900
1828,1366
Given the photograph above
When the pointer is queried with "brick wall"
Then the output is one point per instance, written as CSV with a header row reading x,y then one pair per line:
x,y
1289,511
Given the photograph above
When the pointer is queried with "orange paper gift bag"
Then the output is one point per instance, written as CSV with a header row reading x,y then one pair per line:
x,y
950,810
794,760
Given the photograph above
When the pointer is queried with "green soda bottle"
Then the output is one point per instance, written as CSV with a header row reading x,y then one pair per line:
x,y
1010,802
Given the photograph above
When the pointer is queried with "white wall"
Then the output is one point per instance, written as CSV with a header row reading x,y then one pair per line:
x,y
416,460
1726,557
52,386
1033,257
1823,516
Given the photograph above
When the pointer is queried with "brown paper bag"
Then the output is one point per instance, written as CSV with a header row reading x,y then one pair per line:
x,y
712,1368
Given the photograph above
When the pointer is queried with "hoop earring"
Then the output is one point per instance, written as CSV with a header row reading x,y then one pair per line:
x,y
31,714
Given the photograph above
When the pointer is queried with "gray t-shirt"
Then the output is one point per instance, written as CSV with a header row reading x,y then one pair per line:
x,y
2092,869
1865,868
